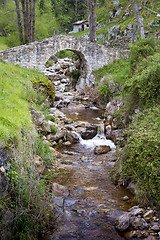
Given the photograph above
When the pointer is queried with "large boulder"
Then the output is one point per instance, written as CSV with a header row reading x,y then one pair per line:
x,y
90,132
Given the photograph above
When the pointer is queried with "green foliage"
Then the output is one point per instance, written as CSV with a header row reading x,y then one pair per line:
x,y
53,129
26,195
49,64
46,24
42,149
80,34
141,155
145,84
3,44
75,74
41,82
67,12
51,118
64,54
142,49
104,92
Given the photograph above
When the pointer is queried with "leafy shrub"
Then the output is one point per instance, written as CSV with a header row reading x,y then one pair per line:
x,y
104,92
140,50
50,118
141,155
145,84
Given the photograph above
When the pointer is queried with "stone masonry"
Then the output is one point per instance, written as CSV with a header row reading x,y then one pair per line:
x,y
92,56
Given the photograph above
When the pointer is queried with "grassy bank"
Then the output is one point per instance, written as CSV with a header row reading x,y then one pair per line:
x,y
25,197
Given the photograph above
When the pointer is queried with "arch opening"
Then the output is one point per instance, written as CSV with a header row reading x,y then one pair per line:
x,y
69,64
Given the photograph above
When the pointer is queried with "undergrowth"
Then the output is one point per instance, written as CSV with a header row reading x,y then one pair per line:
x,y
141,155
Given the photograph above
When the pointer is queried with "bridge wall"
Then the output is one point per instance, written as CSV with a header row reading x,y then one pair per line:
x,y
36,54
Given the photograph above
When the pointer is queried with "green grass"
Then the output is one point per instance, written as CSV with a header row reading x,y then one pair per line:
x,y
3,44
79,34
16,95
119,70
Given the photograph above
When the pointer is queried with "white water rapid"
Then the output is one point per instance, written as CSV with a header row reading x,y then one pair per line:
x,y
99,139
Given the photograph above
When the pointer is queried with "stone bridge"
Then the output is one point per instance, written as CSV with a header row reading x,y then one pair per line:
x,y
35,55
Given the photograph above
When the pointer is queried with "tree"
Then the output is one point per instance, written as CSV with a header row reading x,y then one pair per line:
x,y
92,5
139,20
27,32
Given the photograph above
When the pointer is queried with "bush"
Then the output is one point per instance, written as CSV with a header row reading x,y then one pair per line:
x,y
145,84
142,49
141,155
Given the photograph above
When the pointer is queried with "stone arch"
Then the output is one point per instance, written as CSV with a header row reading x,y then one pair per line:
x,y
35,55
84,66
82,61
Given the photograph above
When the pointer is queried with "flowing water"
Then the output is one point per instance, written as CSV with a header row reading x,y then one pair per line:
x,y
90,209
93,203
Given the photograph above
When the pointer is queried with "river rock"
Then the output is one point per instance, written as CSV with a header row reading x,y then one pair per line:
x,y
122,222
136,210
101,149
139,223
108,131
133,188
59,190
57,113
150,238
4,155
39,164
115,136
72,137
155,227
149,214
90,132
55,137
40,122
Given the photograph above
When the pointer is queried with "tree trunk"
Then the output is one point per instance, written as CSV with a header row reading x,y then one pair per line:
x,y
19,21
92,5
139,20
33,21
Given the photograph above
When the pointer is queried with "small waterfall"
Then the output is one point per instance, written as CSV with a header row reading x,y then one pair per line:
x,y
99,139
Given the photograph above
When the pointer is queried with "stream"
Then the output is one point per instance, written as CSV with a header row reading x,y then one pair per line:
x,y
89,209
